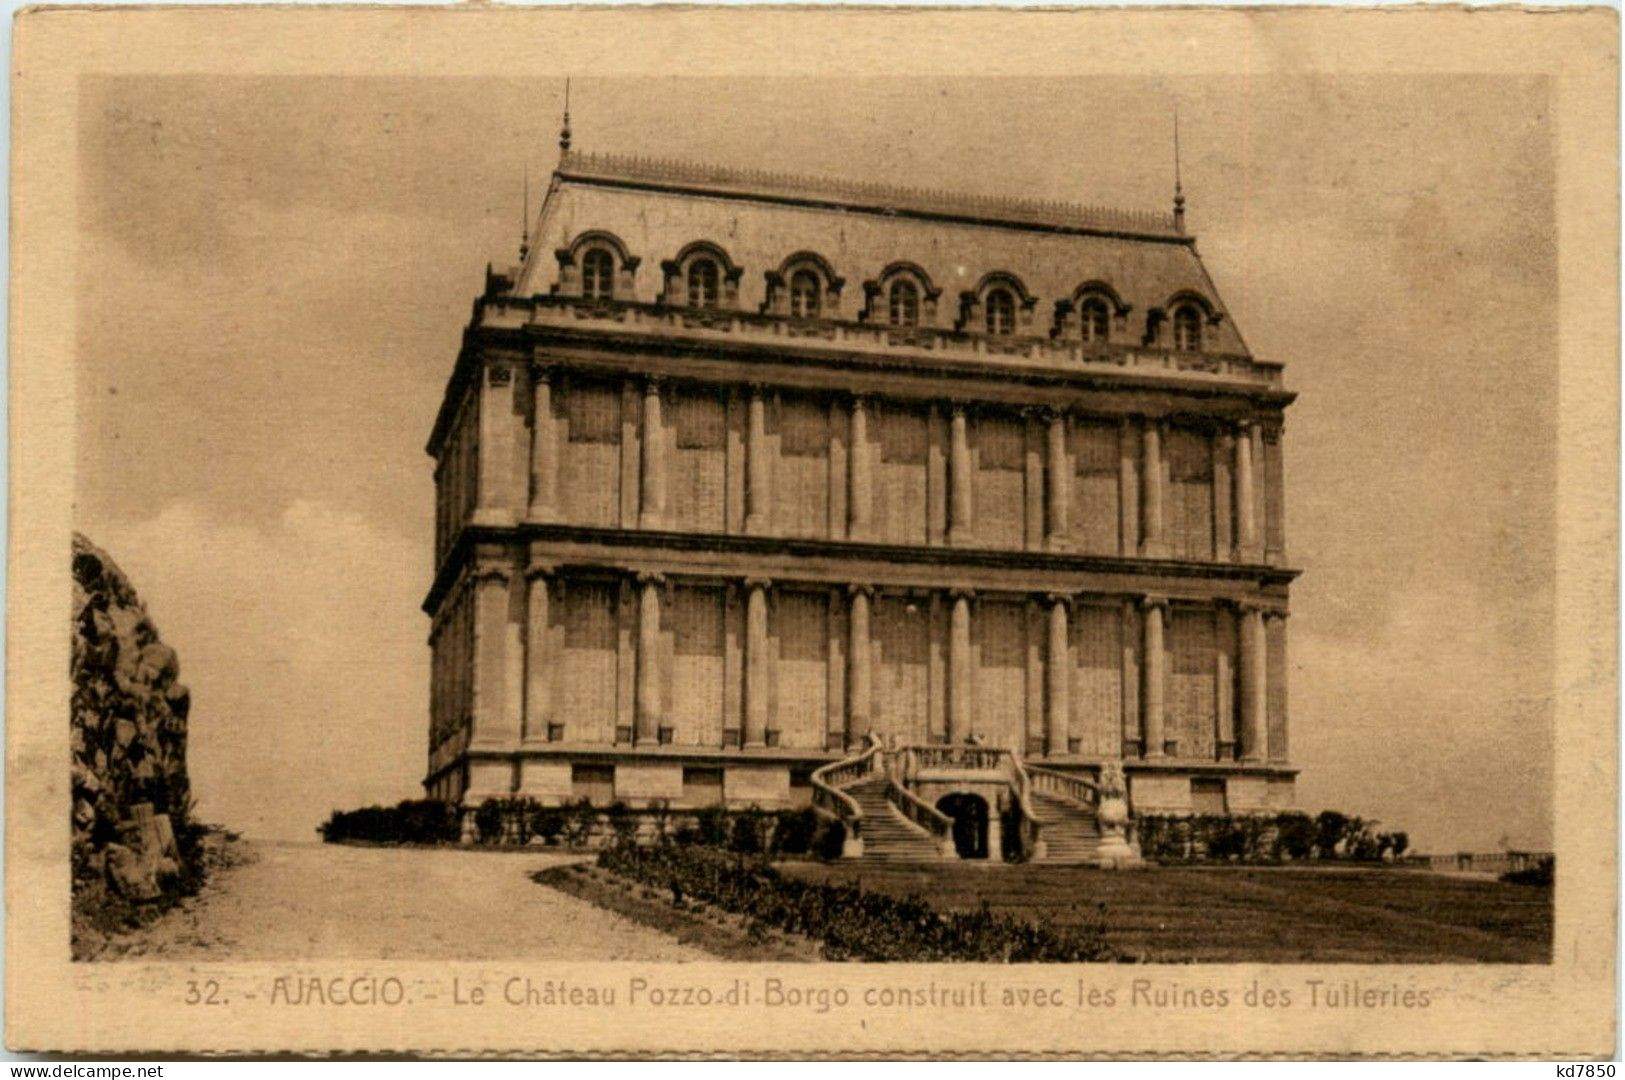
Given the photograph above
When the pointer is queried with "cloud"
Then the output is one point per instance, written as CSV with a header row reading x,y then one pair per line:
x,y
304,649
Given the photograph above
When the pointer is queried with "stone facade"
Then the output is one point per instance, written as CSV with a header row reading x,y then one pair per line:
x,y
737,470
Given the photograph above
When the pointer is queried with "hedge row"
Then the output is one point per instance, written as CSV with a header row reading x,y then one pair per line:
x,y
1285,837
851,923
413,821
519,821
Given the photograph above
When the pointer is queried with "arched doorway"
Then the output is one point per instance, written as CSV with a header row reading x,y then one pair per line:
x,y
970,823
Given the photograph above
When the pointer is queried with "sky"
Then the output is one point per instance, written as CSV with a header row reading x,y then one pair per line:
x,y
275,273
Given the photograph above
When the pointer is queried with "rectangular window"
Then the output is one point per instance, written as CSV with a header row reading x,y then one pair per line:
x,y
800,484
1096,496
698,467
1207,796
999,492
590,467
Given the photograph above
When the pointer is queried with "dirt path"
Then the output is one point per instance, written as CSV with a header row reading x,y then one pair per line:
x,y
315,901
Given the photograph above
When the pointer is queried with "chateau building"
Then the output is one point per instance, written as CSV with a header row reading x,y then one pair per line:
x,y
945,514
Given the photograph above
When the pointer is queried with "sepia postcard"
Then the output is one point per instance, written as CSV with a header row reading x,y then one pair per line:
x,y
847,532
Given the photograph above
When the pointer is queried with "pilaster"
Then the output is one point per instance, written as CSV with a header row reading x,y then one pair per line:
x,y
960,527
1153,663
959,662
1058,668
757,670
1058,470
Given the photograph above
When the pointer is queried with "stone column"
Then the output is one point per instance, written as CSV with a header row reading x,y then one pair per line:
x,y
1060,484
959,675
859,658
1246,523
649,712
496,723
758,510
860,496
1252,684
959,480
652,502
496,435
1059,671
1152,544
544,449
1152,665
538,664
756,663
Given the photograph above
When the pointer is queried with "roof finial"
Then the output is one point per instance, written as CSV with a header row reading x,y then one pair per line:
x,y
564,133
1179,191
524,221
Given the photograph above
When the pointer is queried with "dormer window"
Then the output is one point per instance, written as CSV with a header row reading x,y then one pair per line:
x,y
702,283
804,294
596,266
1094,319
597,274
902,296
1001,312
1000,306
904,303
1187,328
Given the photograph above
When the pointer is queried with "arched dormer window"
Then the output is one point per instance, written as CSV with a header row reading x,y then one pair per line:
x,y
596,266
597,274
805,302
903,303
702,283
1094,319
701,277
1188,315
1187,328
804,286
999,306
1094,314
901,296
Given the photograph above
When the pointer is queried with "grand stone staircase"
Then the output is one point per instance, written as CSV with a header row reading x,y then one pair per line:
x,y
888,836
1071,831
888,798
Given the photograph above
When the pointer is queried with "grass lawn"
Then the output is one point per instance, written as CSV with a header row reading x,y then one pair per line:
x,y
1234,914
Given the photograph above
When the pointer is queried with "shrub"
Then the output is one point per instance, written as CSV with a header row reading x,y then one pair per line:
x,y
830,840
623,824
1294,836
746,835
711,826
793,832
579,819
412,821
547,822
851,923
1541,873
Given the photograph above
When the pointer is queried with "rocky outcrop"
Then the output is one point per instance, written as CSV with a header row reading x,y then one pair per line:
x,y
131,796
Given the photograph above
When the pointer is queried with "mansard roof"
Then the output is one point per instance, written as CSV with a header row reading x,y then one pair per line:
x,y
657,208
